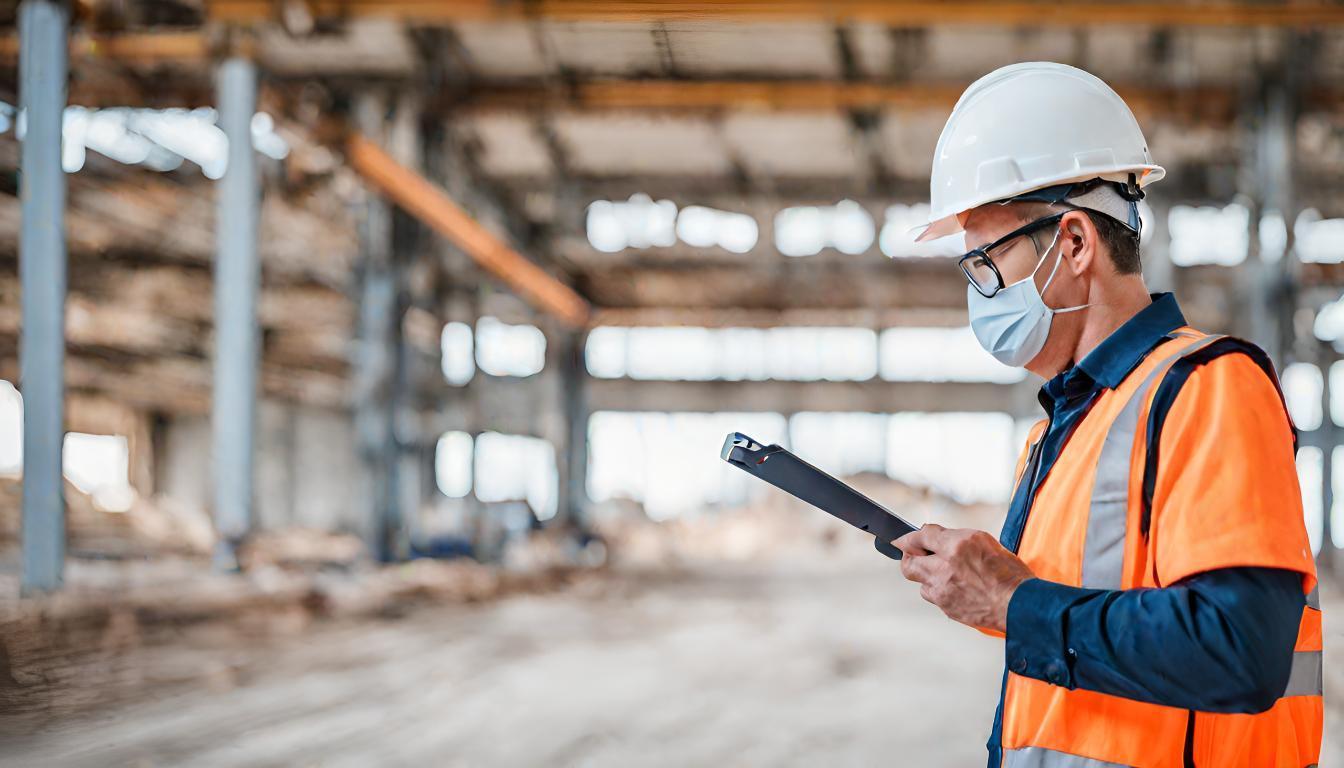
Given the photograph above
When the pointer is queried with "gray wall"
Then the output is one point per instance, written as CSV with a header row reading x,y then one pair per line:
x,y
308,473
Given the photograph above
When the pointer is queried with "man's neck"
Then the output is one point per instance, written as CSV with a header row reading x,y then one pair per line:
x,y
1122,300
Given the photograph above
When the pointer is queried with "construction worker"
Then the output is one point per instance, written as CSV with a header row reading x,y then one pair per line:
x,y
1153,580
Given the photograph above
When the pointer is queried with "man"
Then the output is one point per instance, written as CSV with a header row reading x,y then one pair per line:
x,y
1153,580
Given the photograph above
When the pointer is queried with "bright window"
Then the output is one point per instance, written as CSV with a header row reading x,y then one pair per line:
x,y
898,241
637,223
967,456
1337,392
99,465
1310,473
1302,390
453,464
940,354
841,443
517,468
509,350
1209,235
733,354
456,353
703,227
11,429
806,230
670,461
1318,240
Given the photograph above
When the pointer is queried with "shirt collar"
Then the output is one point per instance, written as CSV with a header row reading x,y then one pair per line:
x,y
1112,360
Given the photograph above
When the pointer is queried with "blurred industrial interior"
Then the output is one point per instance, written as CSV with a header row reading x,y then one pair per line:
x,y
394,343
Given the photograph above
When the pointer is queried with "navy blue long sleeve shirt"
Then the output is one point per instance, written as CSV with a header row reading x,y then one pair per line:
x,y
1219,641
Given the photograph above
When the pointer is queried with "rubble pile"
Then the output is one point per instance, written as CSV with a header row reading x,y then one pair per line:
x,y
775,526
150,527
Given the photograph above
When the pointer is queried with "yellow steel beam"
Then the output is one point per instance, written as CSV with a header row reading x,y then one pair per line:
x,y
892,12
426,202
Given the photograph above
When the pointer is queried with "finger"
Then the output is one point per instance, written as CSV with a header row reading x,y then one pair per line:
x,y
939,540
912,543
915,567
926,592
935,536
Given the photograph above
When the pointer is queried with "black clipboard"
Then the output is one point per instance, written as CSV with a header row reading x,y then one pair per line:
x,y
787,472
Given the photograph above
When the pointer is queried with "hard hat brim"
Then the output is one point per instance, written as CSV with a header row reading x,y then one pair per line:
x,y
948,225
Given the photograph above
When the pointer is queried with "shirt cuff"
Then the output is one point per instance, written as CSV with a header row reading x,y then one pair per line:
x,y
1036,643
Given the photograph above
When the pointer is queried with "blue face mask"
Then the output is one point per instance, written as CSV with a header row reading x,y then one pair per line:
x,y
1014,324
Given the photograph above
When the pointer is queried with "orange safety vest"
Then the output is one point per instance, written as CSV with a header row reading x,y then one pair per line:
x,y
1209,510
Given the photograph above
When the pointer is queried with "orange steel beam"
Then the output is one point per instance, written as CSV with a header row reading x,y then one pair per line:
x,y
907,13
426,202
768,94
129,47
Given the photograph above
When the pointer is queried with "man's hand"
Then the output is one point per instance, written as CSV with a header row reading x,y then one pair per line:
x,y
963,571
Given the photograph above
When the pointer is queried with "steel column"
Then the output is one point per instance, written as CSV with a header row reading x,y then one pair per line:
x,y
379,356
43,29
1329,440
237,274
1158,271
574,381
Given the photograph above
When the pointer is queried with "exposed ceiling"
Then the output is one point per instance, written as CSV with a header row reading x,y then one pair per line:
x,y
739,111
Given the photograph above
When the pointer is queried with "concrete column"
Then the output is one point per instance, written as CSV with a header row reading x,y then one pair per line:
x,y
237,275
43,28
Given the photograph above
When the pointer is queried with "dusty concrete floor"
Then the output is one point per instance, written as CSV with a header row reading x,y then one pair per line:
x,y
747,665
736,665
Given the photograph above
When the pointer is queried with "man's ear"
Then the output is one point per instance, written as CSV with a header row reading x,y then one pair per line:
x,y
1079,241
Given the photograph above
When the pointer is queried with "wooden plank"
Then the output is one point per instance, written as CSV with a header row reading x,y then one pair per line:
x,y
418,197
143,213
182,384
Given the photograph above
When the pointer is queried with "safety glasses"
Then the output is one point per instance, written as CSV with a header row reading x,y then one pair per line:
x,y
978,263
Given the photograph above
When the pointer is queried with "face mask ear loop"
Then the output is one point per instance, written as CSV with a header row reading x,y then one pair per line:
x,y
1058,260
1059,257
1044,255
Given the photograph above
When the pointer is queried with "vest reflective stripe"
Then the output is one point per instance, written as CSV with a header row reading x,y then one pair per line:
x,y
1314,598
1104,544
1039,757
1307,677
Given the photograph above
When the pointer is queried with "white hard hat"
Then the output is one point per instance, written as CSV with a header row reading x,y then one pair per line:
x,y
1028,126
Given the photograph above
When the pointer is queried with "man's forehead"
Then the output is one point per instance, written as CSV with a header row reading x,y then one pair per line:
x,y
987,222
